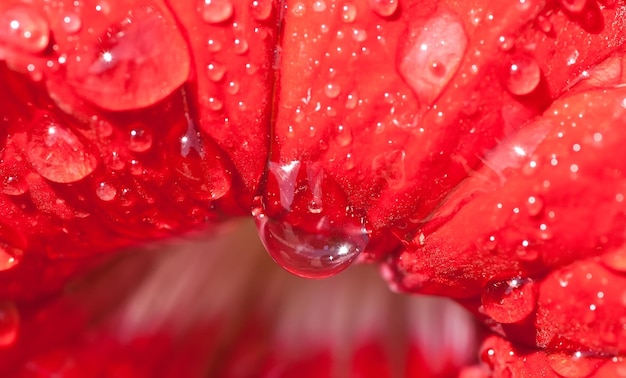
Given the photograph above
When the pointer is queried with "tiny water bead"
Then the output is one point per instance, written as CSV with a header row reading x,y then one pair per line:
x,y
10,256
523,75
140,139
574,365
216,11
14,185
348,12
72,23
261,9
320,254
574,6
25,28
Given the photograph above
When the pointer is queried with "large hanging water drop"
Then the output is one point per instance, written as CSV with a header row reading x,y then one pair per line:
x,y
524,75
304,223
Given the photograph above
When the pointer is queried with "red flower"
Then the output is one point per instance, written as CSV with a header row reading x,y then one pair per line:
x,y
470,149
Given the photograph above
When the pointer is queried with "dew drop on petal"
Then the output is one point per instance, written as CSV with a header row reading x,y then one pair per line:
x,y
261,9
320,254
72,23
332,90
319,6
140,139
215,71
523,76
348,12
25,28
510,301
240,46
10,256
216,11
534,205
432,54
57,153
384,8
573,365
574,6
545,24
14,185
106,191
9,323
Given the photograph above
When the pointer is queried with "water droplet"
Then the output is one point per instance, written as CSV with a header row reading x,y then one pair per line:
x,y
615,260
320,253
106,191
349,163
215,71
384,8
359,35
25,28
319,6
534,205
216,11
214,45
506,42
215,104
348,12
233,87
241,46
573,365
9,323
57,153
261,9
140,140
432,54
14,185
510,301
72,23
344,137
526,252
574,6
10,256
298,9
351,101
332,90
523,76
315,207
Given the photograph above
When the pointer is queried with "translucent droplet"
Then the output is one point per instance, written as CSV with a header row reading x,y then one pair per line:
x,y
214,45
359,35
215,71
384,8
534,205
574,365
432,54
25,28
298,9
140,140
325,252
351,101
9,323
526,252
261,9
545,24
510,301
251,69
241,46
574,6
57,153
332,90
72,23
344,137
348,12
216,11
319,6
523,76
506,42
232,88
315,207
106,191
14,185
10,256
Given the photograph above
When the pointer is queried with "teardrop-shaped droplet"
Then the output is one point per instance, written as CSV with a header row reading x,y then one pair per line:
x,y
510,301
523,75
574,6
534,205
432,54
240,46
261,9
574,365
384,8
216,11
24,27
9,323
324,253
332,90
57,153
